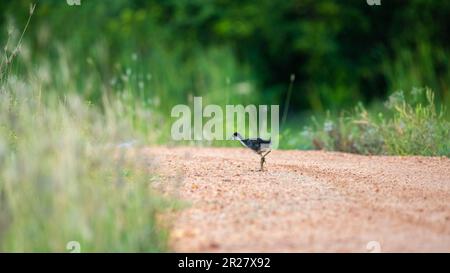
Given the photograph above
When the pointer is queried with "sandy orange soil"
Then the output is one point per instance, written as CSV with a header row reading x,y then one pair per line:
x,y
305,201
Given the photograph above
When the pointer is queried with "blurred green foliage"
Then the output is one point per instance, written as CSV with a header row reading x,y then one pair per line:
x,y
408,124
92,77
341,52
69,172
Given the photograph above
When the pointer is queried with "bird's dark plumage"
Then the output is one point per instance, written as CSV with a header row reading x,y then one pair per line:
x,y
258,145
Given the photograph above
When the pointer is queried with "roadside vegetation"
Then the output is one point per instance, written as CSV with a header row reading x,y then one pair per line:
x,y
71,170
406,124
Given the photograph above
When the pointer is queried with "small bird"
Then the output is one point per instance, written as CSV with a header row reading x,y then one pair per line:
x,y
258,145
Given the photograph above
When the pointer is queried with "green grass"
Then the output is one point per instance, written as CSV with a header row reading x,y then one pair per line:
x,y
63,176
409,124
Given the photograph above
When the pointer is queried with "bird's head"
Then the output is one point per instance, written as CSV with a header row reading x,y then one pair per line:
x,y
236,136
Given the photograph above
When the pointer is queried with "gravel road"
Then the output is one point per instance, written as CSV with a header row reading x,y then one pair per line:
x,y
306,201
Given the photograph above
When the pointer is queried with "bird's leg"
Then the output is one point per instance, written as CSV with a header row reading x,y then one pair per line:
x,y
267,153
263,160
262,163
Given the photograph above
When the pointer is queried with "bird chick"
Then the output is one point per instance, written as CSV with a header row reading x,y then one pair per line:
x,y
258,145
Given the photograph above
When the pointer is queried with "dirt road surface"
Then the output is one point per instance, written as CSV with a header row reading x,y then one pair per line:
x,y
306,201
